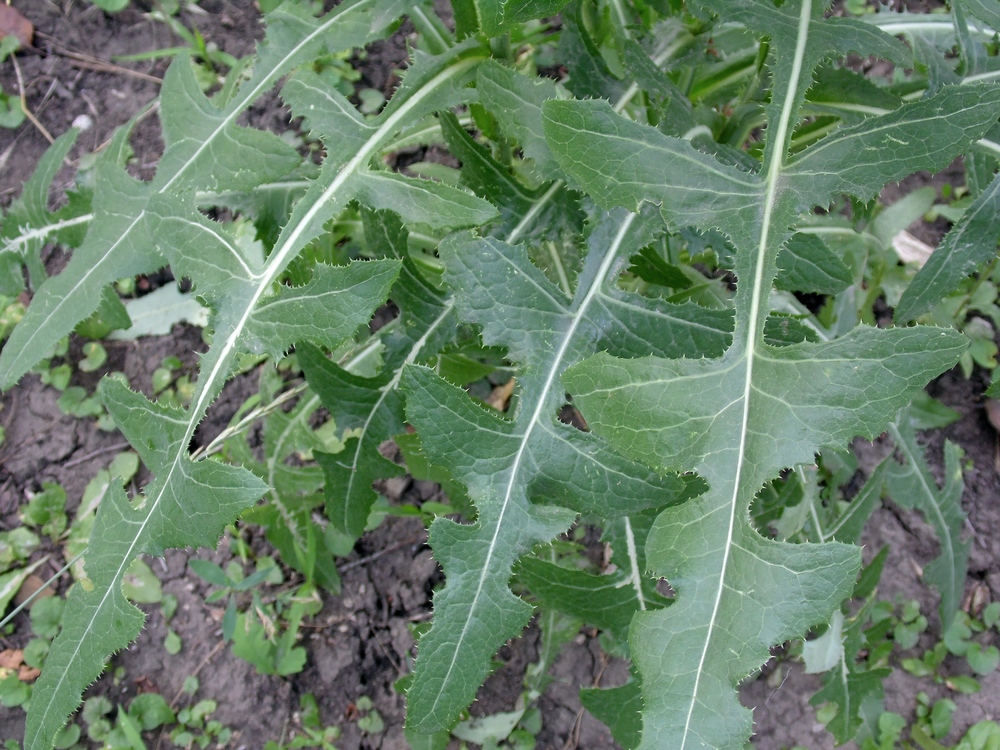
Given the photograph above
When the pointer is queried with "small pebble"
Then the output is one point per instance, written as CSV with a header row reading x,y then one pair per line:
x,y
83,122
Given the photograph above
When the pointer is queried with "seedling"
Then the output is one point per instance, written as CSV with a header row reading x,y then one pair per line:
x,y
314,733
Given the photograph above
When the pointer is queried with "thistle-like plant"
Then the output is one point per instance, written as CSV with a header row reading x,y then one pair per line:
x,y
635,249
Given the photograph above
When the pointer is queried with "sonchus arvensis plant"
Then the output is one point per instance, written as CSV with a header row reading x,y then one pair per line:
x,y
630,235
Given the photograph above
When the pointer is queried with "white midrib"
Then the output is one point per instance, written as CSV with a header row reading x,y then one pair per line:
x,y
25,349
37,234
616,5
633,558
279,259
275,266
253,93
758,294
389,387
265,83
27,235
536,416
432,30
304,413
944,538
534,211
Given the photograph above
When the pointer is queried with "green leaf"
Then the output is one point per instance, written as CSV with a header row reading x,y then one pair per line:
x,y
205,150
321,310
172,643
901,214
649,266
29,224
699,189
607,601
847,94
437,741
210,572
984,11
239,290
95,355
372,408
294,490
806,264
488,730
46,616
111,6
251,643
849,691
969,244
964,684
852,684
190,502
141,585
741,418
422,201
99,619
10,583
925,134
912,485
64,300
983,659
782,330
496,16
927,413
548,212
506,463
150,710
516,101
589,74
619,709
827,651
851,523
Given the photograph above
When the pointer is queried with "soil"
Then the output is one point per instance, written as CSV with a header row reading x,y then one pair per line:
x,y
361,642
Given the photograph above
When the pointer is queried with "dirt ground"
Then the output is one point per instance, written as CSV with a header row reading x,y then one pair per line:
x,y
361,642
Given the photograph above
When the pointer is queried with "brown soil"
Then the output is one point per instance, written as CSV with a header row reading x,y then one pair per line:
x,y
361,642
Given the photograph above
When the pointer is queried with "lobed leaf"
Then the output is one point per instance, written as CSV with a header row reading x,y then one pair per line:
x,y
516,101
372,408
806,264
99,620
620,709
912,485
205,149
604,601
496,16
240,290
854,684
741,418
506,464
925,134
971,242
294,491
29,224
